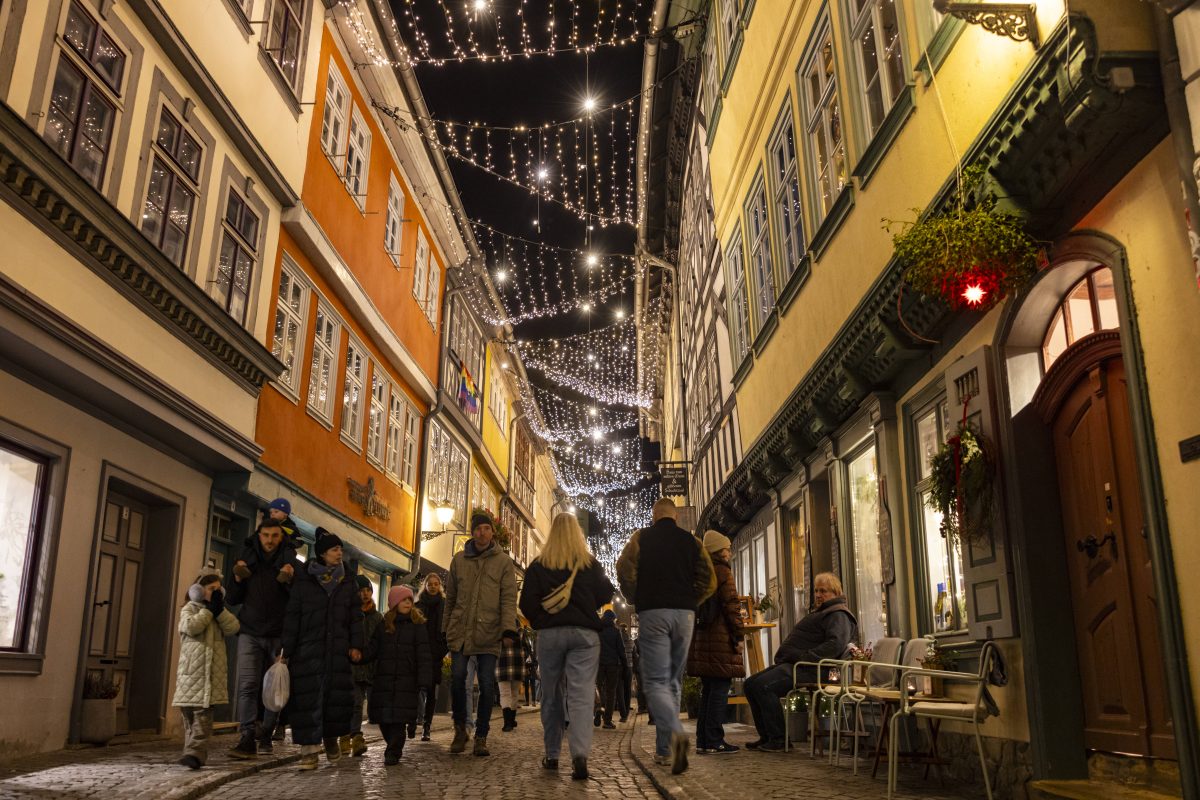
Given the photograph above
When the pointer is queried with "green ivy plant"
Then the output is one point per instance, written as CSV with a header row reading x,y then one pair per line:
x,y
971,255
962,486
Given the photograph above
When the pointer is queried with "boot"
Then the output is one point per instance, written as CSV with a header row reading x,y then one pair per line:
x,y
246,747
460,738
358,746
480,746
510,719
412,730
579,771
333,749
345,744
425,732
394,750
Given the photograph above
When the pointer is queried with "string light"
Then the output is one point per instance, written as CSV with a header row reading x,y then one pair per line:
x,y
569,421
618,518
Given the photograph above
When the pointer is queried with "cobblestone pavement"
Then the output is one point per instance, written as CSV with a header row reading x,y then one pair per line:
x,y
767,776
512,772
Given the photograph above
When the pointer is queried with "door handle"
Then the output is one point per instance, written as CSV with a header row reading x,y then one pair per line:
x,y
100,603
1091,545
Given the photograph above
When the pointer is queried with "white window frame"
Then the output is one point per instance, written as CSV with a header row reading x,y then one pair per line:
x,y
868,21
353,389
498,405
412,435
377,415
431,294
420,269
324,362
358,159
729,26
737,298
333,118
712,77
758,232
289,272
394,450
393,232
819,111
785,189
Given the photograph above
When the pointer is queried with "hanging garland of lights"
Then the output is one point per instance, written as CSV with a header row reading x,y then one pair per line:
x,y
582,480
619,457
537,280
569,420
619,516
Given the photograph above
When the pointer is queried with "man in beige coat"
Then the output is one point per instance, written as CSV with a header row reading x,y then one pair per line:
x,y
481,603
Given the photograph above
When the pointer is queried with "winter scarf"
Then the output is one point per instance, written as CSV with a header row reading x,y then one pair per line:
x,y
328,577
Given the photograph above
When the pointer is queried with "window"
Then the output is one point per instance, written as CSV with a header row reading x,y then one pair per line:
x,y
324,362
944,589
789,216
352,394
498,401
448,468
290,311
283,37
420,274
83,109
23,478
403,428
712,77
235,267
739,306
171,193
823,123
411,436
358,158
431,296
863,485
760,251
1090,306
876,38
395,217
333,118
377,418
729,26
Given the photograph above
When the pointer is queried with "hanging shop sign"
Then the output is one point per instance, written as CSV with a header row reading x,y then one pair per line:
x,y
674,480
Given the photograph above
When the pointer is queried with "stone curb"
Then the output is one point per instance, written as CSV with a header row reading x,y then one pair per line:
x,y
677,787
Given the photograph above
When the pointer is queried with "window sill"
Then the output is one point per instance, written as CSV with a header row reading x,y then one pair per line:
x,y
327,424
353,444
17,663
747,12
885,137
287,391
731,62
739,375
281,83
833,222
240,18
792,288
376,463
940,45
766,332
711,132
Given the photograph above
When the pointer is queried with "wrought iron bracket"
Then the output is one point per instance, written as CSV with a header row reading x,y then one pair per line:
x,y
1017,21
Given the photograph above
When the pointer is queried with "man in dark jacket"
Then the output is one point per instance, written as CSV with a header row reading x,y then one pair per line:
x,y
679,577
353,744
612,663
825,633
279,512
263,598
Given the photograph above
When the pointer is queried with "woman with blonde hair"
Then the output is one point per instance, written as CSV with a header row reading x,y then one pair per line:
x,y
565,587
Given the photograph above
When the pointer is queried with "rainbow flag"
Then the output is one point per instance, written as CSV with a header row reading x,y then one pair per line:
x,y
468,394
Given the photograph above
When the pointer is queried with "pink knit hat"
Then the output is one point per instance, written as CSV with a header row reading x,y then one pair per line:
x,y
398,593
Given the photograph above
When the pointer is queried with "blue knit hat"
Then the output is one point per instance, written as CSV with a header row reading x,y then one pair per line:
x,y
281,504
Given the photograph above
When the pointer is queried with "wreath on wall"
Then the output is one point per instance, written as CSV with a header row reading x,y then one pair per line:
x,y
970,256
962,486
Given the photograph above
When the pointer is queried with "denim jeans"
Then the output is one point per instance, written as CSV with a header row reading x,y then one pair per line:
x,y
710,729
255,655
664,639
763,690
460,693
568,658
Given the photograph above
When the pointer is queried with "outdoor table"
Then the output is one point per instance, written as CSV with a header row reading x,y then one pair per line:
x,y
754,654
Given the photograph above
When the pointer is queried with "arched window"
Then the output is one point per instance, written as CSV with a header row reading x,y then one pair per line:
x,y
1090,306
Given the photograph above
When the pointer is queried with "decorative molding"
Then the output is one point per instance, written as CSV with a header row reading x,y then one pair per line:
x,y
1017,21
46,190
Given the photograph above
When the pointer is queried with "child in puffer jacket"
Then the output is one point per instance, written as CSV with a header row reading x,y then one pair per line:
x,y
201,680
403,666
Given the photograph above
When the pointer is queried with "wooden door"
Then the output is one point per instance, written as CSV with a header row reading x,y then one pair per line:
x,y
1120,663
112,632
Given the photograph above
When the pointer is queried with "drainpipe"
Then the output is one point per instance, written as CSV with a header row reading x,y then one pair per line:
x,y
1179,120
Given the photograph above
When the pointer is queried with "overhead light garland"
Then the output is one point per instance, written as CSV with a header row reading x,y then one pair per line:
x,y
619,516
566,420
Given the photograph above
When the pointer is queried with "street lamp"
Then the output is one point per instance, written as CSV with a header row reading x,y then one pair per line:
x,y
444,513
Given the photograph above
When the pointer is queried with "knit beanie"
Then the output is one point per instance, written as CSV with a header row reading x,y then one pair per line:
x,y
281,504
480,519
714,541
325,541
363,582
398,593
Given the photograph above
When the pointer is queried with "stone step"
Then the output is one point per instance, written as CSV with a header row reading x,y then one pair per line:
x,y
1092,790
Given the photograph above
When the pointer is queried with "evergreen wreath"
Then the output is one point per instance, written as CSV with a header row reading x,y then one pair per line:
x,y
962,486
971,255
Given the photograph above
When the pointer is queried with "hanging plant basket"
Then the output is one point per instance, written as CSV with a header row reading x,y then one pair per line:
x,y
962,486
970,256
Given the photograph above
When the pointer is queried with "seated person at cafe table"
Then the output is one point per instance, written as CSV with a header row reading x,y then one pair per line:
x,y
827,632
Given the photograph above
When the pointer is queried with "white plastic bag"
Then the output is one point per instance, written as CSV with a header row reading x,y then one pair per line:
x,y
277,687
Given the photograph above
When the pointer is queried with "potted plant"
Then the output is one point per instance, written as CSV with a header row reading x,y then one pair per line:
x,y
98,719
962,485
764,608
689,698
969,256
443,692
939,659
862,654
796,706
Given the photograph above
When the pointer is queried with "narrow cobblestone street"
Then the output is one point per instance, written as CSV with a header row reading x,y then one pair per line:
x,y
621,766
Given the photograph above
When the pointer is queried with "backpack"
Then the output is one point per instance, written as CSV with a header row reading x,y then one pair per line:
x,y
708,612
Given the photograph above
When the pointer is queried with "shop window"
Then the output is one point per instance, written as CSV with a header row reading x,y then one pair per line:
x,y
23,477
944,592
863,485
1090,306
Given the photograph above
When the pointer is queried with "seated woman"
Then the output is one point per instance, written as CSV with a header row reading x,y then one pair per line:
x,y
825,633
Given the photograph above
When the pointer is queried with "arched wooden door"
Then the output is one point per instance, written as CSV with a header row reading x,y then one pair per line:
x,y
1084,401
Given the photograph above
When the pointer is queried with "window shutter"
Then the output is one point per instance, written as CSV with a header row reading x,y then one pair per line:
x,y
987,569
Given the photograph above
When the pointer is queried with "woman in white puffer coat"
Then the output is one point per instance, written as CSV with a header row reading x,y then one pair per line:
x,y
201,678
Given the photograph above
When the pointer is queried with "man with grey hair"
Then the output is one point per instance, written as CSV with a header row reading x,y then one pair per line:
x,y
683,578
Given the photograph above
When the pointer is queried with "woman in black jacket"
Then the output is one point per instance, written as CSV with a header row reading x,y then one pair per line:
x,y
400,650
322,635
432,604
568,642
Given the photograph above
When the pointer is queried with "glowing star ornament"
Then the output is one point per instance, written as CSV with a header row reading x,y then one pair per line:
x,y
974,295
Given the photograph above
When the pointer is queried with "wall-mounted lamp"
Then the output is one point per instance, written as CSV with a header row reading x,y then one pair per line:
x,y
1017,21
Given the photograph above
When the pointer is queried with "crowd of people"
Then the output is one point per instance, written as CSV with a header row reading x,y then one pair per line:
x,y
556,642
